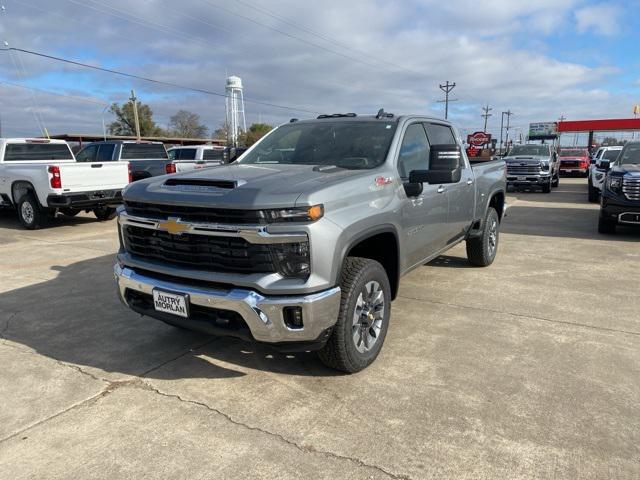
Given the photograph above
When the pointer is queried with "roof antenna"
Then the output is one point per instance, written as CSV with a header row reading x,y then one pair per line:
x,y
380,113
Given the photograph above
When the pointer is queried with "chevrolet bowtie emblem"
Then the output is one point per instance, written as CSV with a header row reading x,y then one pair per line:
x,y
174,226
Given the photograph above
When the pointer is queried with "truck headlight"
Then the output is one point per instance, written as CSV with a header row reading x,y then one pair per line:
x,y
614,183
292,259
544,165
296,214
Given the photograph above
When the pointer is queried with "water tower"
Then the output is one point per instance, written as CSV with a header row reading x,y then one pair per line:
x,y
235,109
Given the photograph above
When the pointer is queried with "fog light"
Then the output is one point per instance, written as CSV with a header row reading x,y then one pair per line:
x,y
293,317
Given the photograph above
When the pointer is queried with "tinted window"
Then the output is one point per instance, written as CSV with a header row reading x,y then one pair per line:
x,y
630,155
573,153
346,144
414,151
212,154
173,154
87,154
187,154
440,134
136,151
611,154
22,152
539,150
105,152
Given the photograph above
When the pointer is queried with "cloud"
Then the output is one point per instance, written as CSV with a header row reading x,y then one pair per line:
x,y
603,19
348,56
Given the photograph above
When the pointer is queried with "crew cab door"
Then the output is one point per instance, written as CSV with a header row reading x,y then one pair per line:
x,y
424,214
460,195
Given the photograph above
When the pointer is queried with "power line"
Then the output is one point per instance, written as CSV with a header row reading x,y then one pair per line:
x,y
447,88
150,80
321,36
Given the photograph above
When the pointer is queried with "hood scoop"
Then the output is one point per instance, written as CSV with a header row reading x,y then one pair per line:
x,y
202,183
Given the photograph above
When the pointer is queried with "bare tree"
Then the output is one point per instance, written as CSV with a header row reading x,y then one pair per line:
x,y
187,125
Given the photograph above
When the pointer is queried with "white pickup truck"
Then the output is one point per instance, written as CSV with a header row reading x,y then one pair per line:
x,y
194,157
39,177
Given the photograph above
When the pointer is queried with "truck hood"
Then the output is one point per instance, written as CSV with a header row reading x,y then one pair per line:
x,y
237,186
630,169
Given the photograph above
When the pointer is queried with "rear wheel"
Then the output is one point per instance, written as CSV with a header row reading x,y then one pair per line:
x,y
606,225
105,213
30,213
363,320
482,250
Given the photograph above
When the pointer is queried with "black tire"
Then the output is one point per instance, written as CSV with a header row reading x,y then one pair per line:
x,y
70,212
594,194
340,352
547,187
30,213
482,250
556,181
606,225
104,213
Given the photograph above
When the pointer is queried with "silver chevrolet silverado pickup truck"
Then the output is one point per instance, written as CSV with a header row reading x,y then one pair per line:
x,y
301,243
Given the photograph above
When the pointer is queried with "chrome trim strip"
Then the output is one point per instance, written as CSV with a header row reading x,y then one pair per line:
x,y
262,314
257,234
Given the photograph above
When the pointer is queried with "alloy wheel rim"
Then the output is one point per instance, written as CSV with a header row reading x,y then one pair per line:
x,y
27,212
368,317
493,237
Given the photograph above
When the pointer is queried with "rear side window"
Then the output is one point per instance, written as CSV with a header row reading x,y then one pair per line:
x,y
24,152
414,151
440,134
105,152
139,151
186,154
212,154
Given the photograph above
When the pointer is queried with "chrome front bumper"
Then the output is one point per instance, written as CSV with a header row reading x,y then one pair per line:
x,y
262,314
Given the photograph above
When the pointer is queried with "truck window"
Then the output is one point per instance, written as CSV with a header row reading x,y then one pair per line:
x,y
440,134
212,154
414,151
186,154
105,152
141,151
24,152
87,154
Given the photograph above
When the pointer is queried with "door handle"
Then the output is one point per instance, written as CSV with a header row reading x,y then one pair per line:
x,y
440,189
469,181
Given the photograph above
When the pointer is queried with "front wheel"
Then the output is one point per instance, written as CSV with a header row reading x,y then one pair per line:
x,y
556,180
593,194
547,187
363,319
482,250
105,213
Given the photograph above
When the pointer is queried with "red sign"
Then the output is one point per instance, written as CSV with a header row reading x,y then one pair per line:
x,y
479,139
472,152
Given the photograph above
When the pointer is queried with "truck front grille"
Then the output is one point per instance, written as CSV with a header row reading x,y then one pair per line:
x,y
202,252
197,215
631,188
529,169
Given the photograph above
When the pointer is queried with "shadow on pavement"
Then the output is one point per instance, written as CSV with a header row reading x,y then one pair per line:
x,y
76,318
9,220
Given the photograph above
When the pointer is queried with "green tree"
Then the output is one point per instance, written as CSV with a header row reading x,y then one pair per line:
x,y
124,123
255,132
186,124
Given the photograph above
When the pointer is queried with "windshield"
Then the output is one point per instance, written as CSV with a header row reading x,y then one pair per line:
x,y
610,154
539,150
351,145
573,153
630,155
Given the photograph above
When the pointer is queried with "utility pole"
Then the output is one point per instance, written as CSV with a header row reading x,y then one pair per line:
x,y
508,113
486,115
447,88
134,102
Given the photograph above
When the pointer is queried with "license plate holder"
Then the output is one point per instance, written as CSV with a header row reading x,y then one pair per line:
x,y
521,179
172,303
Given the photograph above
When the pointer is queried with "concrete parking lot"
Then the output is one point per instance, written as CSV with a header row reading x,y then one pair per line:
x,y
527,369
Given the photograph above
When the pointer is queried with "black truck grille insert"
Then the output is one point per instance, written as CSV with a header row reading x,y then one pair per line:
x,y
202,252
197,215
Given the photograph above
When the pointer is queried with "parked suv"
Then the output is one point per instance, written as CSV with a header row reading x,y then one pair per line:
x,y
620,200
533,166
301,243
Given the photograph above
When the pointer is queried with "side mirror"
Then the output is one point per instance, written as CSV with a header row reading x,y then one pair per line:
x,y
603,164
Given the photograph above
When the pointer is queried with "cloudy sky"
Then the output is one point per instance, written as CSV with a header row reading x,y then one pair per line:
x,y
540,59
